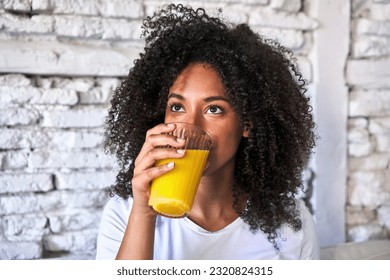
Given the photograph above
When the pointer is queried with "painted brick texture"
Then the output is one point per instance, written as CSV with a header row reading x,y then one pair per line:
x,y
60,61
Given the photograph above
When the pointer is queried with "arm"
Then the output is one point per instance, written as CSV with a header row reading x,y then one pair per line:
x,y
138,240
138,237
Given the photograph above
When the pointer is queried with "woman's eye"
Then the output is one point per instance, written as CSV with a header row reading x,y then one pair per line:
x,y
176,108
214,110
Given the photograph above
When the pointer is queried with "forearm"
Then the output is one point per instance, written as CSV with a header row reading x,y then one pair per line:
x,y
138,240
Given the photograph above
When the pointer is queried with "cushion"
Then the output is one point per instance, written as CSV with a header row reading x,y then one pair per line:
x,y
367,250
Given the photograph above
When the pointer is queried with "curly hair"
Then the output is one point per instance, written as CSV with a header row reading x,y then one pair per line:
x,y
262,82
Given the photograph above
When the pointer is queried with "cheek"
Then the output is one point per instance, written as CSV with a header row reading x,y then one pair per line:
x,y
226,144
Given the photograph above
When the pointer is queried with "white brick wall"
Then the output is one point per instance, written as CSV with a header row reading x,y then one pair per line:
x,y
59,67
368,76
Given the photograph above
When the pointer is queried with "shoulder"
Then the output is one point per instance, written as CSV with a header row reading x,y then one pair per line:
x,y
112,227
301,244
310,243
116,211
117,203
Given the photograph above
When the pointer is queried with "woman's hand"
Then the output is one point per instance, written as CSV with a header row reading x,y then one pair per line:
x,y
154,149
138,240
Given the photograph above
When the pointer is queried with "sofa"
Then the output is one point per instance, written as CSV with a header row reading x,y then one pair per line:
x,y
367,250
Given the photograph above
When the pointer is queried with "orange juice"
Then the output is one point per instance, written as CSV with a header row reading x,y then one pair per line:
x,y
173,193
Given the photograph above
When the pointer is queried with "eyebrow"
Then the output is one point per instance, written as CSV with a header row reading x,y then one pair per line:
x,y
207,99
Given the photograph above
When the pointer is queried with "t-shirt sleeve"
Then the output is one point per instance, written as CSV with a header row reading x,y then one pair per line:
x,y
112,228
310,245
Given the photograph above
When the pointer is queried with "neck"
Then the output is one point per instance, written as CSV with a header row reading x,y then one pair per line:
x,y
213,205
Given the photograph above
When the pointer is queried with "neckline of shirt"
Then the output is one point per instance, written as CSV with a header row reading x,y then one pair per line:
x,y
193,226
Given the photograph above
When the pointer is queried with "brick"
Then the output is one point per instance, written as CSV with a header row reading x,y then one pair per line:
x,y
40,5
202,3
15,159
18,116
55,200
359,143
113,8
78,26
17,5
85,199
291,39
67,139
357,123
95,96
365,232
286,5
379,126
382,143
359,140
70,159
20,250
74,220
119,8
368,73
366,189
367,47
281,19
74,7
359,149
373,27
74,84
71,241
29,203
384,216
108,83
85,180
11,80
57,58
25,227
24,24
371,162
78,117
359,215
121,29
31,95
15,138
97,27
100,94
369,103
379,12
90,255
22,182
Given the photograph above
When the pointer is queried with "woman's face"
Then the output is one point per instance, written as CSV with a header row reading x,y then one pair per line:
x,y
198,97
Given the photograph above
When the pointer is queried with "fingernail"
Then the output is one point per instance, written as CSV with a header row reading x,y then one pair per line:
x,y
180,140
171,125
180,151
170,164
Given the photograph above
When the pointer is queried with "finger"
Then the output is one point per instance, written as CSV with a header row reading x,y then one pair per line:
x,y
163,140
158,129
161,128
143,179
157,136
156,154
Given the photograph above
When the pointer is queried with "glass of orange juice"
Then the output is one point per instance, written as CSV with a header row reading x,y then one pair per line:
x,y
173,193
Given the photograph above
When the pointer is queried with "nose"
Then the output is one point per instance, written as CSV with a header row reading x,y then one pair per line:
x,y
194,118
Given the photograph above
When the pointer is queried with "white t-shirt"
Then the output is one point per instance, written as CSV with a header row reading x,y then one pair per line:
x,y
177,239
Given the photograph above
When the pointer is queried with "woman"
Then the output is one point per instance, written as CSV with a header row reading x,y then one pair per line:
x,y
246,92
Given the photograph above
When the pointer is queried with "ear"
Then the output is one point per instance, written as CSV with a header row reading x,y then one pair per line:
x,y
247,127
